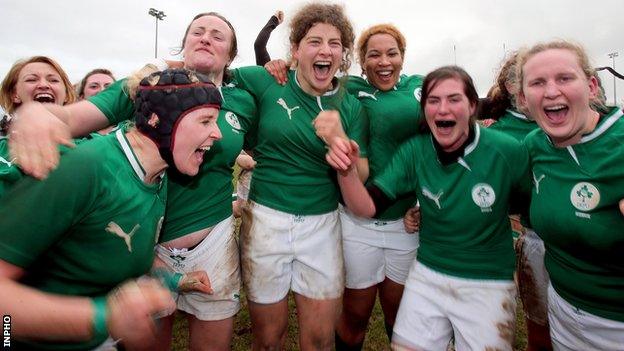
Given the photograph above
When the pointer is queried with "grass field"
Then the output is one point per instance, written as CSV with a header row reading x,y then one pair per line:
x,y
376,339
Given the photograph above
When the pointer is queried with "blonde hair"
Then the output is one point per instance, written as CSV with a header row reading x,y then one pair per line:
x,y
10,81
598,102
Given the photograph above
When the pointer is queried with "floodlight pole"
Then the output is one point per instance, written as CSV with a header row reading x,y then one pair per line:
x,y
158,15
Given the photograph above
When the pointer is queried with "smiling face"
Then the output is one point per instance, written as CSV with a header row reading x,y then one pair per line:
x,y
193,135
318,55
38,81
207,46
96,83
447,111
557,93
383,61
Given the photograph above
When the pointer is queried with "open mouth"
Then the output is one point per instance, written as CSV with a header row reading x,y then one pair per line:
x,y
556,113
445,124
384,74
322,68
44,98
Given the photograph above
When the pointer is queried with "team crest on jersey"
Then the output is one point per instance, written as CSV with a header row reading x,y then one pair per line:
x,y
584,197
232,120
484,196
418,93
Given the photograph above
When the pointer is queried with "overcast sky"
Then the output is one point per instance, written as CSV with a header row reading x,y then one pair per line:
x,y
119,34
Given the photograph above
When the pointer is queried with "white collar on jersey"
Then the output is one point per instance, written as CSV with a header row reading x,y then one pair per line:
x,y
134,162
518,115
328,93
470,148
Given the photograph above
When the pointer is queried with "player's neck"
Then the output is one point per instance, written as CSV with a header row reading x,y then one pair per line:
x,y
147,153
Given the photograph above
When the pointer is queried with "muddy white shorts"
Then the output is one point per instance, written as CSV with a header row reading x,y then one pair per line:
x,y
532,277
480,314
218,255
375,249
574,329
282,251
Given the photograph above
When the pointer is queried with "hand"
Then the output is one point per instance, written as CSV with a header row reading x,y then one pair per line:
x,y
195,281
175,64
328,126
411,221
131,311
34,137
280,16
245,161
278,69
343,155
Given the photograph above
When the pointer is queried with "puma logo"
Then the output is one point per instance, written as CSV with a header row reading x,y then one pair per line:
x,y
282,103
8,163
114,228
365,94
435,198
537,181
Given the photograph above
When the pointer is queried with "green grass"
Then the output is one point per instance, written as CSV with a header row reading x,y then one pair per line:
x,y
376,339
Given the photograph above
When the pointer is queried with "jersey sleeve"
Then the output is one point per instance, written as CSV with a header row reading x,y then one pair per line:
x,y
254,79
358,127
36,214
399,176
114,102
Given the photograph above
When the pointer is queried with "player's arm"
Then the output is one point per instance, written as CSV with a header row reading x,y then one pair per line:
x,y
39,128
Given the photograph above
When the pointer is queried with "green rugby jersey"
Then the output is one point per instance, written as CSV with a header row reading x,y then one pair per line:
x,y
464,229
518,126
291,174
393,117
202,201
515,124
574,209
9,172
89,226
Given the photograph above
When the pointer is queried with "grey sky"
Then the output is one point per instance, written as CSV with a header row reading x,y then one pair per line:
x,y
119,35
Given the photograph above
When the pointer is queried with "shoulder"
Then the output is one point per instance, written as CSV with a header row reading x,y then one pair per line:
x,y
354,84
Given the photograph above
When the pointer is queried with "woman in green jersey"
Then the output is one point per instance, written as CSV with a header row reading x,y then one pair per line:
x,y
290,235
38,78
69,240
464,177
577,162
198,231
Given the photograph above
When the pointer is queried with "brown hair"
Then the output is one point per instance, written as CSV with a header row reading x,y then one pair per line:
x,y
441,74
597,103
499,97
331,14
233,45
10,80
81,86
362,43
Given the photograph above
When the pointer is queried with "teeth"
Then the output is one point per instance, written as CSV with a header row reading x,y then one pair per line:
x,y
384,73
554,108
204,148
323,63
44,97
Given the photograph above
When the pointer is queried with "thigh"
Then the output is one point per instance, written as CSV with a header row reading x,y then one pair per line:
x,y
422,322
390,294
532,277
266,253
211,335
398,263
483,314
357,305
317,322
364,264
318,266
269,324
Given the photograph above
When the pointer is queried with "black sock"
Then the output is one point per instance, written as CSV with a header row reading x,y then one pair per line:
x,y
389,331
342,346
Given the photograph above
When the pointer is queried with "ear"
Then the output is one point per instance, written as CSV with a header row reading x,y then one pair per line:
x,y
473,109
521,100
16,99
593,88
294,52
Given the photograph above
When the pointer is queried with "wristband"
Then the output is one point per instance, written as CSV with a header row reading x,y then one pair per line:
x,y
168,279
99,316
